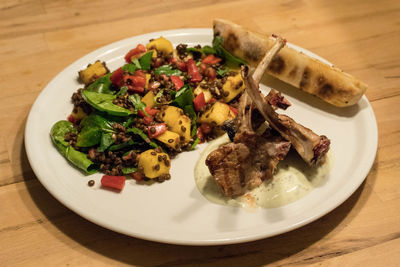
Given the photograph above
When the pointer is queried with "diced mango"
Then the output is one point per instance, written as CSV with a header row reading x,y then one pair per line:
x,y
217,114
161,44
199,90
151,165
170,139
79,114
177,122
93,72
148,76
234,85
148,99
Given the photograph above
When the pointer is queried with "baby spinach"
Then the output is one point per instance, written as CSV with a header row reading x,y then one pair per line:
x,y
184,97
142,135
145,60
122,145
104,102
230,60
128,170
136,100
77,158
131,68
101,85
92,128
167,70
105,142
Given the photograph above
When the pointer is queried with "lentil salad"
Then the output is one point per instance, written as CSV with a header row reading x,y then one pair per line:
x,y
132,121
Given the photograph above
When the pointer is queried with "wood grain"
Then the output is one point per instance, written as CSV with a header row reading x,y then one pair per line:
x,y
40,38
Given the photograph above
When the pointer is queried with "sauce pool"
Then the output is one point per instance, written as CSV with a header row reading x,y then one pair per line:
x,y
292,180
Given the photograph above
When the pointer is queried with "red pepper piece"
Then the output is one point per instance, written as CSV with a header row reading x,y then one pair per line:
x,y
114,182
211,59
156,130
117,77
200,135
135,83
193,71
212,100
138,50
203,68
210,73
206,127
199,101
181,66
148,120
178,82
71,118
234,110
149,110
137,176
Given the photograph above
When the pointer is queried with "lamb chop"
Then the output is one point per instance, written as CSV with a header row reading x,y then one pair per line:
x,y
310,146
252,158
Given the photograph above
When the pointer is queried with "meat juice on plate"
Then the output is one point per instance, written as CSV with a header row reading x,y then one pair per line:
x,y
293,180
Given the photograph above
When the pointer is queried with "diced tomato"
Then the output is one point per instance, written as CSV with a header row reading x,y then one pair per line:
x,y
117,77
135,83
203,67
137,176
206,127
148,120
200,135
210,73
140,73
234,110
199,101
71,118
156,130
149,110
193,71
138,50
211,59
114,182
181,65
178,82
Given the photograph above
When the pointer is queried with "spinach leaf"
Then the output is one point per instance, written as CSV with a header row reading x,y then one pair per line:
x,y
189,110
57,134
129,68
128,122
230,60
222,71
122,91
105,142
122,145
77,158
128,170
92,128
137,103
136,63
208,50
167,70
184,97
104,102
145,60
101,85
80,160
144,136
195,143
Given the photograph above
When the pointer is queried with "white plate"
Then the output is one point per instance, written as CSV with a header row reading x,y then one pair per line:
x,y
175,211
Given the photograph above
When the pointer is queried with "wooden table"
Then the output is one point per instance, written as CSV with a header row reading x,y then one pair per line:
x,y
40,38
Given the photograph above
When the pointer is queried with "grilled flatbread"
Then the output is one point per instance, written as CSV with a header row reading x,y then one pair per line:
x,y
293,67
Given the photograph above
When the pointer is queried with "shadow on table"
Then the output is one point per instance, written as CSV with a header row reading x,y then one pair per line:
x,y
141,252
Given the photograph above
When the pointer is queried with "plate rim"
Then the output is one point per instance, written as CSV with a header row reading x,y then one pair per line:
x,y
372,148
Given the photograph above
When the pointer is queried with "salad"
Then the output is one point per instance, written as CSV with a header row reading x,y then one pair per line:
x,y
164,100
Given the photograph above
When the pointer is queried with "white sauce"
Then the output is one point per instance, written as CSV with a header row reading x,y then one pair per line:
x,y
292,180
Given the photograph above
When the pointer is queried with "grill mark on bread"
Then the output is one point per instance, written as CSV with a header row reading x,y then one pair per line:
x,y
325,90
231,42
277,65
305,78
293,72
